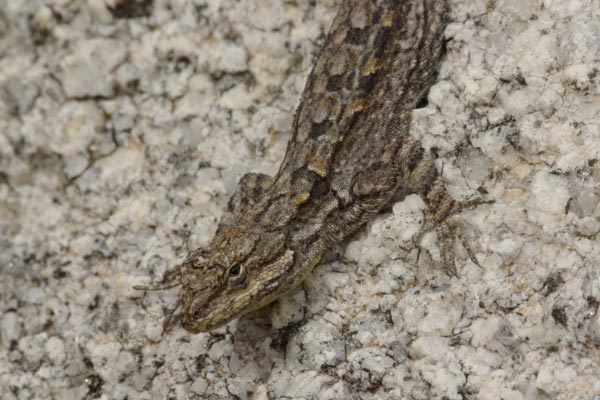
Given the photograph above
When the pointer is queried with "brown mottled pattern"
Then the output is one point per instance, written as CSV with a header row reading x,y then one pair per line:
x,y
349,152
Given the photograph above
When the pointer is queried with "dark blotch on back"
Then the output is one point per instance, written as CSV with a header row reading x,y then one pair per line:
x,y
366,83
380,39
302,174
334,83
357,36
319,129
320,187
318,192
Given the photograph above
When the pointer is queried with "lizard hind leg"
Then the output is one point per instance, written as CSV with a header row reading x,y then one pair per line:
x,y
424,178
447,233
439,219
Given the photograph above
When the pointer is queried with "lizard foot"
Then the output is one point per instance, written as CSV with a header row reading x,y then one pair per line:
x,y
170,279
447,232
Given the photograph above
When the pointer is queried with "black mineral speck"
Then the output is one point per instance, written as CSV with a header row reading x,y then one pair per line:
x,y
127,9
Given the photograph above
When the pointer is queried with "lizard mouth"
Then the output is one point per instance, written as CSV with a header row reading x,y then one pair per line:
x,y
197,319
193,326
202,309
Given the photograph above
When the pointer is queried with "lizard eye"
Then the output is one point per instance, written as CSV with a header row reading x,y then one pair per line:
x,y
235,270
237,274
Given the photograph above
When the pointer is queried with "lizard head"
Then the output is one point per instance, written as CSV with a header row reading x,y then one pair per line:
x,y
239,272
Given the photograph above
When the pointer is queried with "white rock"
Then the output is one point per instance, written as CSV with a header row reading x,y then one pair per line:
x,y
55,348
124,164
315,345
496,116
516,103
112,362
508,248
579,76
32,348
442,96
393,379
284,384
154,332
588,226
220,350
288,310
445,382
585,38
555,372
78,123
485,330
233,59
44,20
549,193
434,347
199,386
100,10
87,69
442,316
367,367
537,52
480,362
240,387
10,328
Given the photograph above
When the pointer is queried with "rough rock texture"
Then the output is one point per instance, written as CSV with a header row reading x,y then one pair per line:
x,y
125,125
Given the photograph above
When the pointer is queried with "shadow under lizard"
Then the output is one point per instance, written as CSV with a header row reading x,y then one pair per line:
x,y
349,152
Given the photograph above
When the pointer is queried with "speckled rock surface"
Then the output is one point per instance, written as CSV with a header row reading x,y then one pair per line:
x,y
125,125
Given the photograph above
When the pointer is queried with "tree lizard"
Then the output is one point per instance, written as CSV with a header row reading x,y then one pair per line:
x,y
349,152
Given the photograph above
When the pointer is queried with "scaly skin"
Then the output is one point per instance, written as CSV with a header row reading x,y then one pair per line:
x,y
349,153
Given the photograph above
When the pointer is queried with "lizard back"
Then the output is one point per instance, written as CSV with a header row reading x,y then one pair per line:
x,y
351,126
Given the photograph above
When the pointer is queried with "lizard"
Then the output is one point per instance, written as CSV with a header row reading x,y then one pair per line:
x,y
349,153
